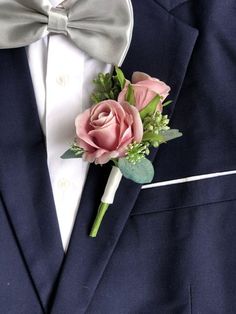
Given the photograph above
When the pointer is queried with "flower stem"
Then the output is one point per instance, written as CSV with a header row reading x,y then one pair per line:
x,y
98,220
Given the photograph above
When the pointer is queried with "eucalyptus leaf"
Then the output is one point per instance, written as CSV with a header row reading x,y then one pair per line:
x,y
130,95
151,107
70,153
169,135
120,76
141,172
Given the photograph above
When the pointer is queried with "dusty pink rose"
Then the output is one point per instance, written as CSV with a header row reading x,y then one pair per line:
x,y
105,130
145,89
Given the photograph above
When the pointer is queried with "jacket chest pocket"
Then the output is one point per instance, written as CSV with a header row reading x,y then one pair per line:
x,y
185,195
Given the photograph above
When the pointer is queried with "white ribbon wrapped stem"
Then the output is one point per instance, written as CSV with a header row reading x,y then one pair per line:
x,y
112,186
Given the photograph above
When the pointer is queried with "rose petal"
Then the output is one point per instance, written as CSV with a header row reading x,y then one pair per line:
x,y
83,128
85,146
156,86
137,122
104,158
104,109
106,137
139,76
103,122
125,136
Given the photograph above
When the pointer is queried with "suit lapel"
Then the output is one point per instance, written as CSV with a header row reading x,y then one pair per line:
x,y
24,179
87,258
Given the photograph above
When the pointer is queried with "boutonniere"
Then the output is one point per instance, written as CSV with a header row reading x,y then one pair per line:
x,y
124,122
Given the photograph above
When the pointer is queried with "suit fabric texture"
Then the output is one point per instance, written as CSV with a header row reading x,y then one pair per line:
x,y
165,250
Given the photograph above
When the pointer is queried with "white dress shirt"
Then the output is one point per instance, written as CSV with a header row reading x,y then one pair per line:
x,y
62,78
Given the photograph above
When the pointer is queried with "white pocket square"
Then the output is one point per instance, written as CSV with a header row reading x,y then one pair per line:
x,y
189,179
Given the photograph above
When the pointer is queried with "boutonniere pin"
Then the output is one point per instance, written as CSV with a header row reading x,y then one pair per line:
x,y
124,122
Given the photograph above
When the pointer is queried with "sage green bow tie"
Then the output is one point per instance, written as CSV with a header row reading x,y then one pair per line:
x,y
101,28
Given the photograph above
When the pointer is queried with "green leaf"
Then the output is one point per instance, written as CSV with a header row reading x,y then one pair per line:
x,y
103,87
150,136
120,76
150,108
130,95
167,103
71,153
141,172
162,137
169,135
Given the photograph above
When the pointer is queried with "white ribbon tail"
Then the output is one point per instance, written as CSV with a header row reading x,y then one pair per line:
x,y
112,186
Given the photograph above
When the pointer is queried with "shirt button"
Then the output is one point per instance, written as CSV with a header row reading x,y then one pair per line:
x,y
62,80
63,183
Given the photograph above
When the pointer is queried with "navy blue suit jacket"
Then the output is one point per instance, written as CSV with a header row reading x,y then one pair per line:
x,y
163,250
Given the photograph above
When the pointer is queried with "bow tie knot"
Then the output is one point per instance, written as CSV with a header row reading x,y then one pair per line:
x,y
100,28
57,21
